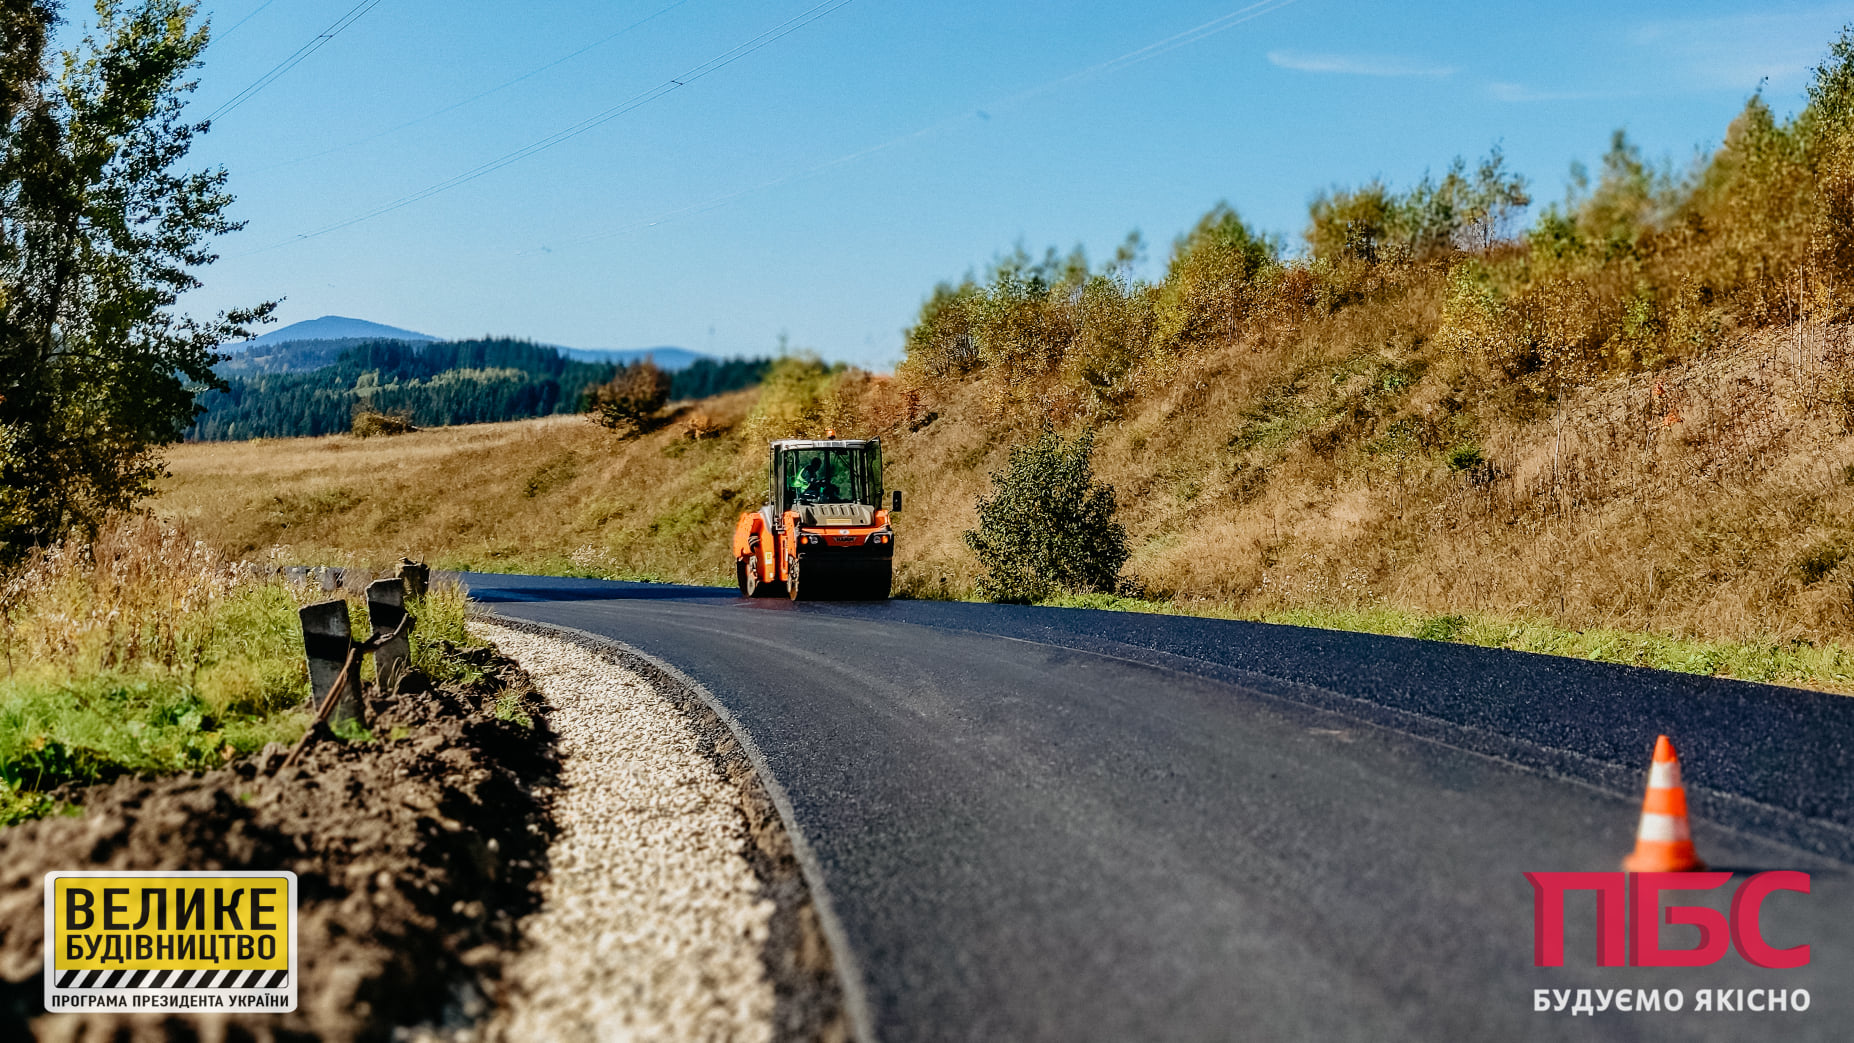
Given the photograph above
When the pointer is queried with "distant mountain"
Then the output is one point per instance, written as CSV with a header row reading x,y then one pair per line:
x,y
294,356
318,342
329,327
450,382
666,357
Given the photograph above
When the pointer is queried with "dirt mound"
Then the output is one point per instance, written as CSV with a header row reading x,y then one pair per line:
x,y
416,855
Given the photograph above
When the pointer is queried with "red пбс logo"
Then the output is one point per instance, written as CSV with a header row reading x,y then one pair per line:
x,y
1640,931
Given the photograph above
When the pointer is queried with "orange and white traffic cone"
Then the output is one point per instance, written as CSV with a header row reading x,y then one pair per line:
x,y
1664,843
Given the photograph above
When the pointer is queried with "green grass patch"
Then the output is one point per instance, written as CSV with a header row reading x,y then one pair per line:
x,y
441,640
566,567
510,707
17,805
73,722
69,721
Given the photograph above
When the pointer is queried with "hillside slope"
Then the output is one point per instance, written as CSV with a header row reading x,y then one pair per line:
x,y
1711,500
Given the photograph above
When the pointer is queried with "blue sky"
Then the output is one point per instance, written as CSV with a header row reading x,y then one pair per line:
x,y
819,186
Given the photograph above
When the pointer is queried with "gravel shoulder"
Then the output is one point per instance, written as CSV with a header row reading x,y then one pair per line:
x,y
672,908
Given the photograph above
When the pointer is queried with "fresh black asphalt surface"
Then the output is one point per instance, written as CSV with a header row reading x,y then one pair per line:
x,y
1049,824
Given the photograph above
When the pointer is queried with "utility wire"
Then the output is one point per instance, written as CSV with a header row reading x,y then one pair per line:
x,y
242,21
480,96
1146,53
295,59
712,65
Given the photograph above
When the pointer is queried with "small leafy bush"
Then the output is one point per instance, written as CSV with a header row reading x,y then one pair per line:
x,y
1465,457
1048,527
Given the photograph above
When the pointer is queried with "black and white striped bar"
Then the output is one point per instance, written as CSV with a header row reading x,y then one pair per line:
x,y
172,979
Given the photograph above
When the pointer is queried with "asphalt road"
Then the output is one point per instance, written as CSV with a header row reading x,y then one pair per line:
x,y
1045,824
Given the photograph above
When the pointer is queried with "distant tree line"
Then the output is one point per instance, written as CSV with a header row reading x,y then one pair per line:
x,y
706,377
432,385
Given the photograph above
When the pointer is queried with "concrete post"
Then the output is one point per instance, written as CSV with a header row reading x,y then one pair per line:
x,y
417,576
327,640
386,606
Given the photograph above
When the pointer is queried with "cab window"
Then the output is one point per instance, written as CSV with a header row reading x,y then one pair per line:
x,y
830,475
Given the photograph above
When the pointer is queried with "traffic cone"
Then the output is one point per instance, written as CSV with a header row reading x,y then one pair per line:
x,y
1663,843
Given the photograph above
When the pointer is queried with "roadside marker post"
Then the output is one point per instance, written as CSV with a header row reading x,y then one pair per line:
x,y
328,642
386,609
416,575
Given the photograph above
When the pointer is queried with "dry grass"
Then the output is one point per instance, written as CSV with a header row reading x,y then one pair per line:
x,y
556,494
1258,476
1709,499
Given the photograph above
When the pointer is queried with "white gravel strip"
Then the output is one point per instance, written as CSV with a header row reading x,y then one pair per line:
x,y
652,922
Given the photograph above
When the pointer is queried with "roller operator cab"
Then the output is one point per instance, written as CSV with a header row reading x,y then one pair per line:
x,y
824,532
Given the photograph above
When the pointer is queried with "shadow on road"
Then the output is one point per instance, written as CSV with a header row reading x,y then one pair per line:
x,y
491,588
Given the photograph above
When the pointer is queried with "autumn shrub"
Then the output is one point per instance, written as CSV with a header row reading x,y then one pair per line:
x,y
369,423
796,400
1210,284
630,401
1460,211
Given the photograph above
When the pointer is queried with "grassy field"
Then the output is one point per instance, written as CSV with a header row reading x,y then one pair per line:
x,y
1715,546
149,652
556,495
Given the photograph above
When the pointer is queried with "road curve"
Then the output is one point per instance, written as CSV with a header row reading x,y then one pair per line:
x,y
1045,824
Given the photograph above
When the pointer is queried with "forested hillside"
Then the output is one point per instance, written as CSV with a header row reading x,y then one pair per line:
x,y
294,356
434,384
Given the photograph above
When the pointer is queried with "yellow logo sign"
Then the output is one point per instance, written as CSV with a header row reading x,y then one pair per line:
x,y
170,941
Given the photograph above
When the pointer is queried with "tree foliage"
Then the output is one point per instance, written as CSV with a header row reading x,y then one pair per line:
x,y
101,230
1461,211
705,377
470,382
1048,526
632,398
1211,283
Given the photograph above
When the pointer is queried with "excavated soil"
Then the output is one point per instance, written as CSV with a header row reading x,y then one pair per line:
x,y
421,855
416,856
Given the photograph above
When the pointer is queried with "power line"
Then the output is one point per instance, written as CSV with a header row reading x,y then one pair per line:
x,y
1134,57
295,59
243,20
712,65
484,94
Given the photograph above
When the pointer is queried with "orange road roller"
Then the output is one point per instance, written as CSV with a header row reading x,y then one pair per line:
x,y
824,532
